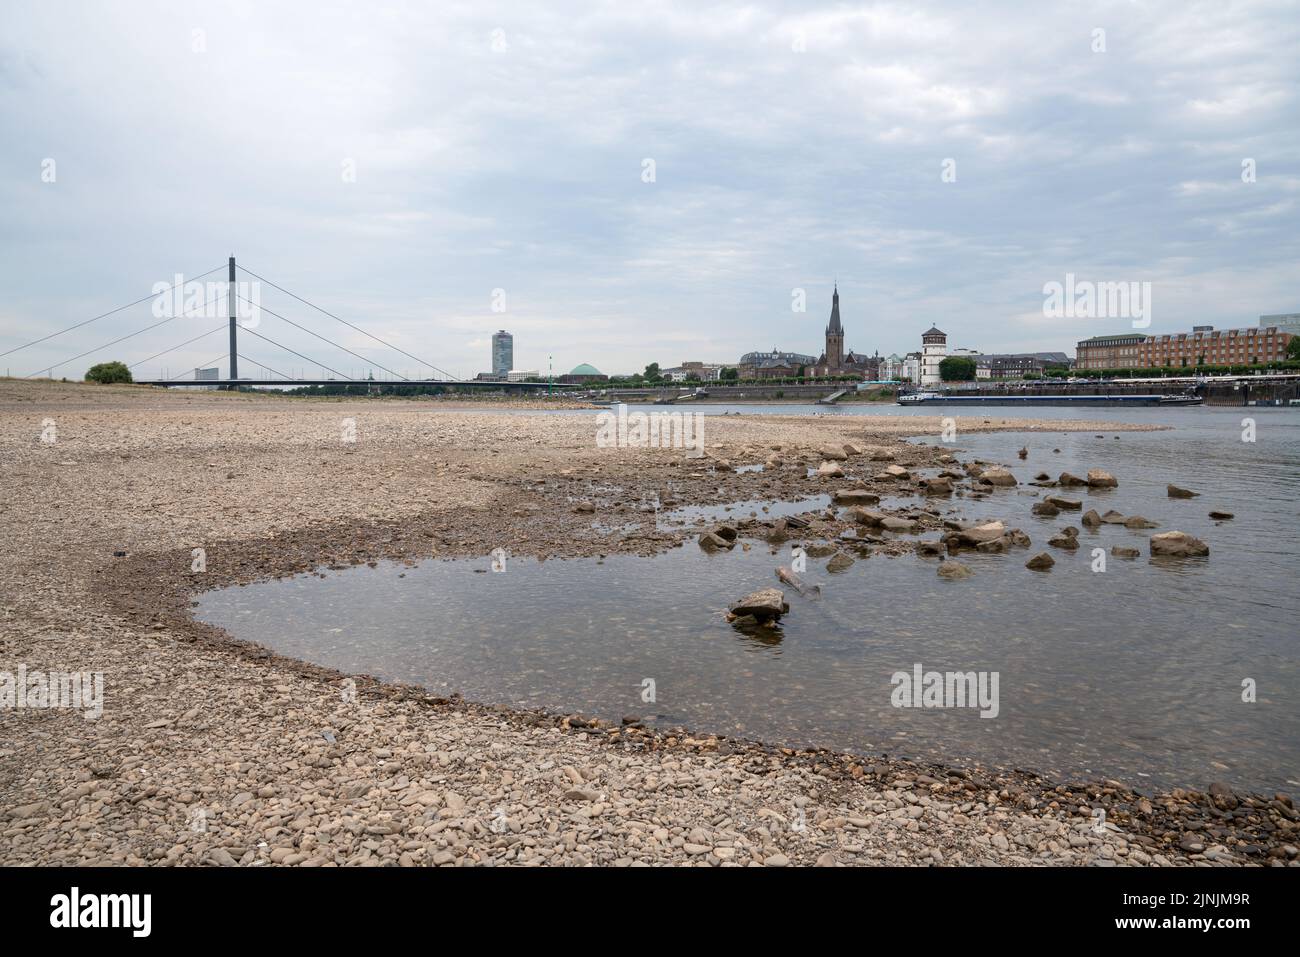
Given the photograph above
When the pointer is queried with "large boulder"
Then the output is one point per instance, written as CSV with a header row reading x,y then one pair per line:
x,y
975,535
1099,478
766,604
1178,545
997,476
936,486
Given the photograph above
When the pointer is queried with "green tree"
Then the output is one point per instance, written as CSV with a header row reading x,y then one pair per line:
x,y
106,372
652,371
730,374
1293,348
957,369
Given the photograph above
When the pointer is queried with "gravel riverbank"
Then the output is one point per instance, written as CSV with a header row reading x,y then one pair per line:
x,y
212,751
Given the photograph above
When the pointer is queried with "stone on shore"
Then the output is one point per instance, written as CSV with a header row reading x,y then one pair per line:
x,y
829,469
1178,545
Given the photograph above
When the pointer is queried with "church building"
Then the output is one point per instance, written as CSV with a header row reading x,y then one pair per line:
x,y
834,361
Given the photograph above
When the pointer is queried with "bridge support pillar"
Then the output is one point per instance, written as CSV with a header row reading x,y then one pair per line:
x,y
234,346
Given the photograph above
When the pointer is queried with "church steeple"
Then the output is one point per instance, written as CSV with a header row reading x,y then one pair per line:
x,y
835,334
835,313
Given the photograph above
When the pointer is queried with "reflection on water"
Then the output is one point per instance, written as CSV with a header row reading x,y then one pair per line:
x,y
1134,673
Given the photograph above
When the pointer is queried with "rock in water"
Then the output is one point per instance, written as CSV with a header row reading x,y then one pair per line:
x,y
854,496
936,486
951,569
711,542
1099,478
1137,521
1123,551
1046,509
839,562
1067,479
997,476
1023,453
1041,562
1178,545
766,604
787,575
1063,503
1176,492
1221,516
1091,518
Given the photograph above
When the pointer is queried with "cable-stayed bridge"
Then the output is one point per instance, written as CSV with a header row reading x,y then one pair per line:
x,y
248,324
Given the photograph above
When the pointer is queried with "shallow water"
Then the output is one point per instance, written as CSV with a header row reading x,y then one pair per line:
x,y
1135,672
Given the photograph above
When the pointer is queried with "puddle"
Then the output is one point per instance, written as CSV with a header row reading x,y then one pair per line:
x,y
1099,674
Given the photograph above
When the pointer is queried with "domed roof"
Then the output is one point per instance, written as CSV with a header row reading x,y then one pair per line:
x,y
585,369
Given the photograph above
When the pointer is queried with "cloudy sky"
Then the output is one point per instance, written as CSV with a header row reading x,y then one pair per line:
x,y
396,164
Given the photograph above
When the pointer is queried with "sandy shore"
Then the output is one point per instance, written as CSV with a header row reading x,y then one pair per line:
x,y
216,752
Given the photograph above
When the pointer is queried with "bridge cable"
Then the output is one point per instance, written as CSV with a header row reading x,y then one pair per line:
x,y
346,323
298,354
203,366
323,339
174,348
124,338
104,315
266,367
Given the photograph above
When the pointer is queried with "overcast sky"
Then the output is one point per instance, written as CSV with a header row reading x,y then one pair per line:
x,y
502,146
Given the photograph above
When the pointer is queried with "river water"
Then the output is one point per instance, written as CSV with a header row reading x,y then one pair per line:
x,y
1137,672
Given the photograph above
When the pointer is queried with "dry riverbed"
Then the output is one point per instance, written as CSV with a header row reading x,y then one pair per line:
x,y
213,751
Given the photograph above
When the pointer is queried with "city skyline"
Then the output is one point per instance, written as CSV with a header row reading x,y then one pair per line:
x,y
469,170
